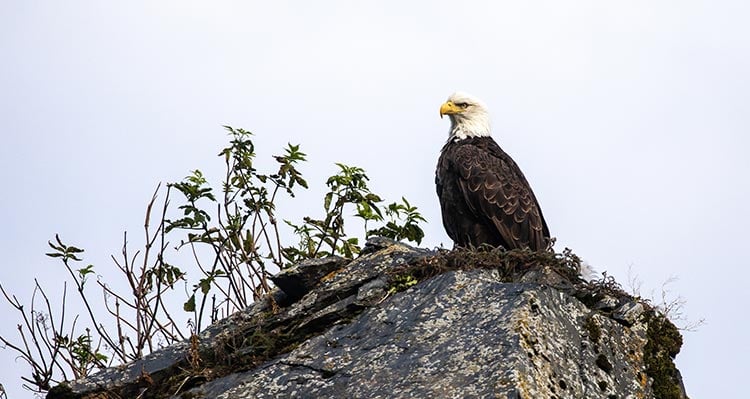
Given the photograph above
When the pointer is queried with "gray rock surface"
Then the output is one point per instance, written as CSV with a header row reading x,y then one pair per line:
x,y
342,331
300,279
457,335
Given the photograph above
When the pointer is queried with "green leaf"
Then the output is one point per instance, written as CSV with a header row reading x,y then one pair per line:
x,y
189,306
302,182
327,201
86,270
59,242
55,247
205,285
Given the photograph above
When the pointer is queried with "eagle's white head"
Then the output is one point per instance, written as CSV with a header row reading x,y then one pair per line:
x,y
469,116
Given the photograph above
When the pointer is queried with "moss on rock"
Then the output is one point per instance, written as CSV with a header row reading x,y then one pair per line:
x,y
664,343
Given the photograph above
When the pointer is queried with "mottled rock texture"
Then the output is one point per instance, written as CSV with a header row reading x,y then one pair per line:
x,y
367,329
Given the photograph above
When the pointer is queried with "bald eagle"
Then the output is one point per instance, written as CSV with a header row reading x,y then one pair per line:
x,y
484,197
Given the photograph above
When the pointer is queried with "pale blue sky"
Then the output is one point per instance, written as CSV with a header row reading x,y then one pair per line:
x,y
630,120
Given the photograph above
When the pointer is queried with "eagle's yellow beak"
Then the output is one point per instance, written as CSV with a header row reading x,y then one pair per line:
x,y
449,108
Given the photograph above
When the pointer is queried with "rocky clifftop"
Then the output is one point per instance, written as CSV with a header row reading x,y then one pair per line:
x,y
406,322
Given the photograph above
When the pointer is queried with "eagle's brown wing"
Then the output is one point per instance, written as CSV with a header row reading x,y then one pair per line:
x,y
497,192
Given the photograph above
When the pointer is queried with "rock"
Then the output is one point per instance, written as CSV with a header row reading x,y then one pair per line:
x,y
629,312
132,378
300,279
528,341
373,292
607,304
463,332
547,276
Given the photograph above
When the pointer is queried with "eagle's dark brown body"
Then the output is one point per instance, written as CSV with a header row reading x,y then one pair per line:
x,y
485,198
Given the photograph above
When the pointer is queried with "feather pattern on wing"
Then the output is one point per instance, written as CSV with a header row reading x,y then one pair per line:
x,y
485,198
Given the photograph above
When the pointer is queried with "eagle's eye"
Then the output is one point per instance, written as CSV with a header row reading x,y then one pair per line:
x,y
463,105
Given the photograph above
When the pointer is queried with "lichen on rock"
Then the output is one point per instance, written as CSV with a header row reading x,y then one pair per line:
x,y
406,322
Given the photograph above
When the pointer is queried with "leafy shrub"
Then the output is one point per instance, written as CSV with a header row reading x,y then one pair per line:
x,y
235,239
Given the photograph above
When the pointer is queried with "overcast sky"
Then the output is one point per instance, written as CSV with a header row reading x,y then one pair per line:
x,y
629,119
